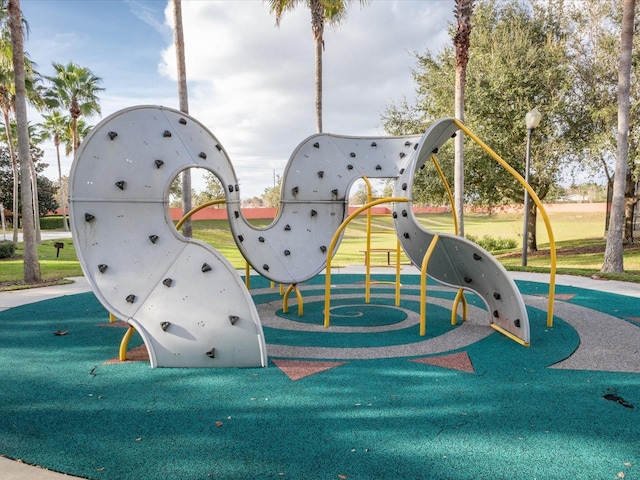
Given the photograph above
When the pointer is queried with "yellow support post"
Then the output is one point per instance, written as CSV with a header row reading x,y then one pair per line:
x,y
285,300
454,310
125,343
423,284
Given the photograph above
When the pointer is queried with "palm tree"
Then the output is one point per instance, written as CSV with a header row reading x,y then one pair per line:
x,y
187,229
31,263
614,253
55,127
461,41
75,89
333,11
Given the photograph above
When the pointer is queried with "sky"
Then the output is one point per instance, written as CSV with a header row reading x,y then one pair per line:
x,y
250,82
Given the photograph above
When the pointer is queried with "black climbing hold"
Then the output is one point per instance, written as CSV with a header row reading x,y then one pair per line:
x,y
404,186
219,147
334,191
183,121
265,267
237,188
407,143
401,171
210,353
202,155
395,215
112,135
404,213
402,154
477,257
378,167
496,314
88,217
323,249
164,326
496,295
131,298
435,150
120,184
453,135
422,167
236,214
352,155
314,212
349,167
166,133
467,280
316,145
241,238
230,187
167,282
406,235
206,268
374,144
320,173
287,227
153,238
261,239
295,190
415,147
159,163
233,319
287,253
102,267
516,322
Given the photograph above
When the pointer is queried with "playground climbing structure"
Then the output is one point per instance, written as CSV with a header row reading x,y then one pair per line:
x,y
189,305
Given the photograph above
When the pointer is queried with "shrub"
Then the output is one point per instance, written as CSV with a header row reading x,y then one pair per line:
x,y
51,222
7,249
494,244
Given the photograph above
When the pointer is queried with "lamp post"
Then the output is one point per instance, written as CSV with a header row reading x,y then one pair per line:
x,y
532,120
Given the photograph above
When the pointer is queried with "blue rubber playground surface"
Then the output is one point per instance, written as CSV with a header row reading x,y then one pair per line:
x,y
367,398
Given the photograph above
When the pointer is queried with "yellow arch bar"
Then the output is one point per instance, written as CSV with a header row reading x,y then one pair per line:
x,y
334,241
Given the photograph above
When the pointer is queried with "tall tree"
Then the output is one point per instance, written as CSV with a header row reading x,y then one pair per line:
x,y
178,38
75,89
331,11
31,263
461,42
613,254
55,126
518,60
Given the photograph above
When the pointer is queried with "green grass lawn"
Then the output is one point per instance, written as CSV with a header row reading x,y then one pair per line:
x,y
579,243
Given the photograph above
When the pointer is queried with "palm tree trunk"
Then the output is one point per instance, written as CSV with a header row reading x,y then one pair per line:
x,y
31,264
14,171
65,225
317,26
36,203
613,253
187,229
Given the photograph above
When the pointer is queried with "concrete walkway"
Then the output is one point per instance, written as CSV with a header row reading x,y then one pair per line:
x,y
593,345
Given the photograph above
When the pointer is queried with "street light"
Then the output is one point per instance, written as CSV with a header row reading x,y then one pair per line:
x,y
532,119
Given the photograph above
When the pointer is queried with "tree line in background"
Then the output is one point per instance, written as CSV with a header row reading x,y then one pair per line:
x,y
562,57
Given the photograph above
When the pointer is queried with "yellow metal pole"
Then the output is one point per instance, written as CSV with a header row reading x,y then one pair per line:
x,y
197,209
398,251
543,213
247,275
454,310
125,343
334,241
285,300
367,257
423,284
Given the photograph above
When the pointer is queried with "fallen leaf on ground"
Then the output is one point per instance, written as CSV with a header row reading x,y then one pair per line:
x,y
60,333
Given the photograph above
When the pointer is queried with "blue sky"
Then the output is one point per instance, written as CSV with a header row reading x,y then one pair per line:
x,y
250,82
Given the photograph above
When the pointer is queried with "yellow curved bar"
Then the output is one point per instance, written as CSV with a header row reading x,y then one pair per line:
x,y
112,317
285,300
454,310
247,275
543,213
197,209
398,250
332,246
125,343
423,284
449,192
